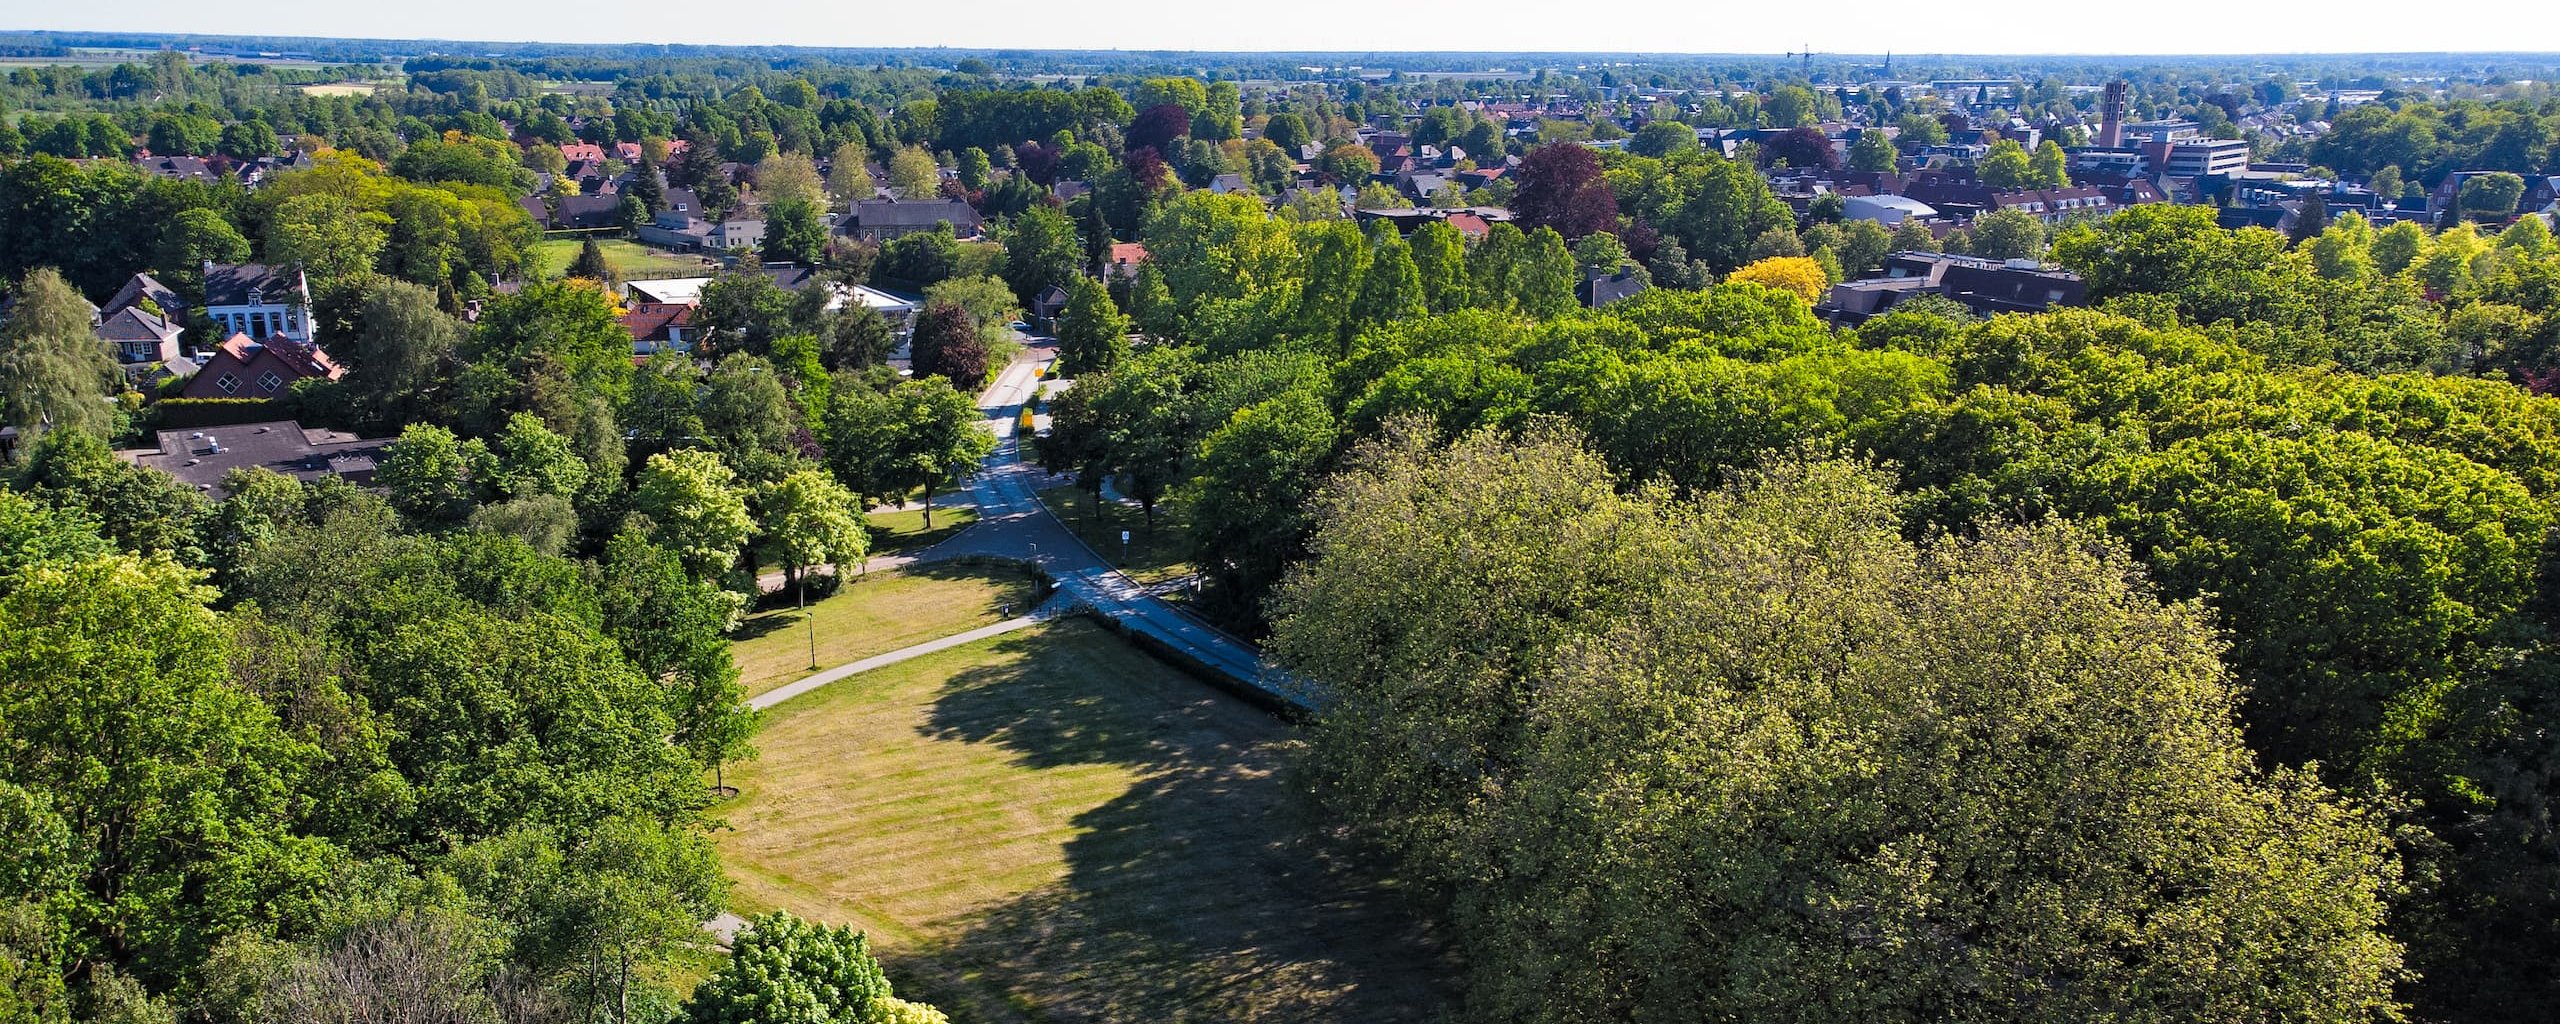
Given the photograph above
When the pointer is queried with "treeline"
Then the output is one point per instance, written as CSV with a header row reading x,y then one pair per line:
x,y
2425,141
2325,444
295,751
280,757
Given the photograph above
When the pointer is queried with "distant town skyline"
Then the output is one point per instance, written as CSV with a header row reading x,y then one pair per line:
x,y
1982,27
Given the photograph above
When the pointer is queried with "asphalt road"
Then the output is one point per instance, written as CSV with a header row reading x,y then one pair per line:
x,y
1013,524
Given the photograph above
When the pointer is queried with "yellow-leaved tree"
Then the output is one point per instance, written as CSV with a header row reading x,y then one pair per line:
x,y
1798,274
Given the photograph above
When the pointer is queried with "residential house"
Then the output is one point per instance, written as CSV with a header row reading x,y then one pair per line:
x,y
1472,221
2055,205
178,168
879,220
138,337
1126,257
243,368
201,458
582,152
681,227
1046,306
258,300
659,327
144,288
1599,289
2540,191
586,212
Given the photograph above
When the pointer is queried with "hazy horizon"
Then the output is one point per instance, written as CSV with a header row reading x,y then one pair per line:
x,y
1988,28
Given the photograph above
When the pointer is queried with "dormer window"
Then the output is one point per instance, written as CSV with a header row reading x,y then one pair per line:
x,y
254,298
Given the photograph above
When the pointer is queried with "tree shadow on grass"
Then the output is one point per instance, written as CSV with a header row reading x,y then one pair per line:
x,y
1198,894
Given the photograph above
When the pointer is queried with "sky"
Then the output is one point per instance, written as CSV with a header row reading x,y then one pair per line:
x,y
1651,26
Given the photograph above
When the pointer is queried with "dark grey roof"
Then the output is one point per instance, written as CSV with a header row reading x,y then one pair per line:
x,y
200,458
184,168
586,211
140,287
791,276
229,285
1600,290
132,324
913,213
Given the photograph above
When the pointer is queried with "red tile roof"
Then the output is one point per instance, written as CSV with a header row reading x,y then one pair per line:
x,y
648,321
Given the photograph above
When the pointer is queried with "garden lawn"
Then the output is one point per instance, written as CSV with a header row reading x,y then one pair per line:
x,y
1051,826
629,260
875,613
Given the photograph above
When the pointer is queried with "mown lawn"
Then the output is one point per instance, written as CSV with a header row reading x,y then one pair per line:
x,y
1153,554
630,260
904,531
1051,826
872,614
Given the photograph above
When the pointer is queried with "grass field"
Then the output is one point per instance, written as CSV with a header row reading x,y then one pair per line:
x,y
1153,554
629,259
875,614
1050,826
345,89
902,531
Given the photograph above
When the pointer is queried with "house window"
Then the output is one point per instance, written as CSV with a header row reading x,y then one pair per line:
x,y
269,381
258,321
229,384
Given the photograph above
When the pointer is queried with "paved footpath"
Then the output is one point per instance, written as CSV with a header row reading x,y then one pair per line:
x,y
779,694
1012,523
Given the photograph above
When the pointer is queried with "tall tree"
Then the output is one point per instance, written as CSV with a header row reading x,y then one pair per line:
x,y
849,173
695,509
2049,167
1092,334
53,371
2131,853
1560,187
1041,251
675,628
2008,235
1872,152
169,794
1440,260
789,177
1393,290
590,263
946,344
2007,168
795,232
810,520
916,434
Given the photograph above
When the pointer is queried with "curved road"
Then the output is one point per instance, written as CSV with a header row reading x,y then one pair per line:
x,y
1013,524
